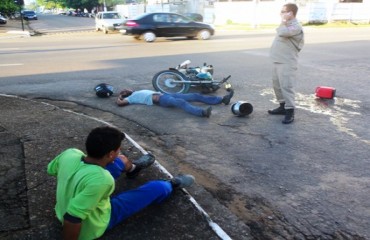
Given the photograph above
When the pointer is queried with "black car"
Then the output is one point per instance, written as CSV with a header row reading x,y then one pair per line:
x,y
152,25
27,15
3,20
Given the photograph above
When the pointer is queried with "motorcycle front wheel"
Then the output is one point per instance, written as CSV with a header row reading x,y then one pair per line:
x,y
170,81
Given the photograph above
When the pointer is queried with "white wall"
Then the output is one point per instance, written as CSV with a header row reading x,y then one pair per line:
x,y
130,11
269,12
259,13
247,12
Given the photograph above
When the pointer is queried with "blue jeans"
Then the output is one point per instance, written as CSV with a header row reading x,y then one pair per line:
x,y
180,100
125,204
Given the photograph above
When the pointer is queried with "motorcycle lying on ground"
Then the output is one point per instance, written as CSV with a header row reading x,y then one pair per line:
x,y
182,77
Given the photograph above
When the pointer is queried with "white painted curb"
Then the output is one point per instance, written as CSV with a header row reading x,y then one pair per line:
x,y
21,33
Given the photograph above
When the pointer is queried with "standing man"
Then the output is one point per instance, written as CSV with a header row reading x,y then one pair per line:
x,y
85,183
288,42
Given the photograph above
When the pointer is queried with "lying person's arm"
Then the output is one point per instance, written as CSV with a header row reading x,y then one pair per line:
x,y
122,101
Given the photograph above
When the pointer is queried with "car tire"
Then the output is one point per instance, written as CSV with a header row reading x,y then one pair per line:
x,y
204,34
149,36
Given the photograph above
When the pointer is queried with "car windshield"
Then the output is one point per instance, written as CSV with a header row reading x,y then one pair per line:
x,y
29,12
111,16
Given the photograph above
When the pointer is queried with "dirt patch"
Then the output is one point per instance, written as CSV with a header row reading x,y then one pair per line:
x,y
13,189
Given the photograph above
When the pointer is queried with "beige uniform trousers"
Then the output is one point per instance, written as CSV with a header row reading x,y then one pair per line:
x,y
283,79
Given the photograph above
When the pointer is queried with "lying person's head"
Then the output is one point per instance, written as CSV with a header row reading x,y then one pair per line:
x,y
125,93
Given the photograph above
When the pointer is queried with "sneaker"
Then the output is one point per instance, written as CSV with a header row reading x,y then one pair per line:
x,y
141,163
207,112
227,98
182,181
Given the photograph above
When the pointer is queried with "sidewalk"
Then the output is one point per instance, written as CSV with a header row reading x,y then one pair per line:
x,y
31,134
13,28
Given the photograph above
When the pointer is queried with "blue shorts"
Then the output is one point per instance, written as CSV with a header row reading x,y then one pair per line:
x,y
127,203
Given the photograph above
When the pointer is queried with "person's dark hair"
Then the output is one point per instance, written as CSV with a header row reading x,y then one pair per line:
x,y
292,7
102,140
125,93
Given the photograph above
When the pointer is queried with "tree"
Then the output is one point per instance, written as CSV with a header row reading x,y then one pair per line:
x,y
75,4
89,4
51,4
81,4
8,7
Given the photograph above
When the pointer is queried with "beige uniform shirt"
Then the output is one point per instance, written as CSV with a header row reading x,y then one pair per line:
x,y
289,40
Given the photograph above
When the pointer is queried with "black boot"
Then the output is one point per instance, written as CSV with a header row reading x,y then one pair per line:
x,y
278,111
289,116
226,99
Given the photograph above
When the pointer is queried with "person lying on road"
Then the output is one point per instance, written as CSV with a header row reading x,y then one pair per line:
x,y
179,100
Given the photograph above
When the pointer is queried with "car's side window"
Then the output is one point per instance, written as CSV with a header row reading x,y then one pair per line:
x,y
161,18
178,19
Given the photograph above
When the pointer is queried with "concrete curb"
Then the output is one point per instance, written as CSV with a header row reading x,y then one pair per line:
x,y
22,33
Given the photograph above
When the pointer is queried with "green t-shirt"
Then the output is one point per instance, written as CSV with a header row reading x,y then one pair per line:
x,y
83,190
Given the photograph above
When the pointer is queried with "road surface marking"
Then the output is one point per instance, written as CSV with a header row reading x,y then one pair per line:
x,y
8,49
11,64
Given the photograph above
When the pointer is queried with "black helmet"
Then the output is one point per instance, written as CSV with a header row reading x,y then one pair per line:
x,y
103,90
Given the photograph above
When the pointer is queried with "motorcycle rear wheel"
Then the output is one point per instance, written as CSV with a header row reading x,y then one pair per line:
x,y
163,82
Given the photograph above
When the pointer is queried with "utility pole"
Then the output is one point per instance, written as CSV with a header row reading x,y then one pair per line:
x,y
20,3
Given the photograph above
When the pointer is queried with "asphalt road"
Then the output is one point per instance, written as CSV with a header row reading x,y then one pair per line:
x,y
306,180
49,23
